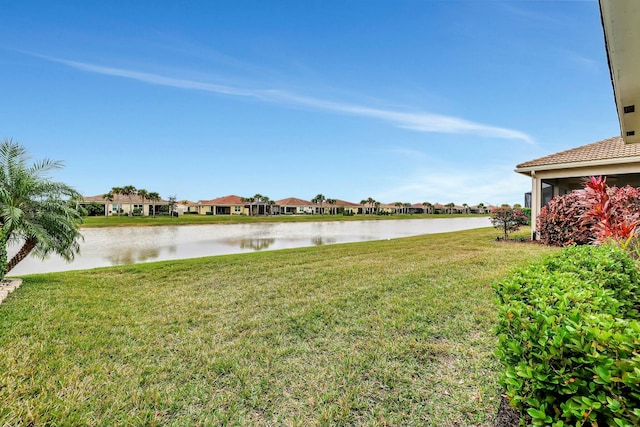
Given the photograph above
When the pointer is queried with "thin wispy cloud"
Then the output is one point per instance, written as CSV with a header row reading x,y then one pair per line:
x,y
416,121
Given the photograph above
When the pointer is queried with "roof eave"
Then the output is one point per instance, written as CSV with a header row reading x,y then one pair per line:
x,y
527,170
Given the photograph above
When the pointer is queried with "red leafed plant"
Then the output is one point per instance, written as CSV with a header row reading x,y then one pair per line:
x,y
613,210
591,215
560,222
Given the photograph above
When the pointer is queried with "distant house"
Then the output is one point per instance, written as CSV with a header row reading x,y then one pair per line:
x,y
227,205
562,172
343,206
292,205
127,205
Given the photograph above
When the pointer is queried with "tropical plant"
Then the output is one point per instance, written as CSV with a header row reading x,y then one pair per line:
x,y
318,200
595,214
154,198
94,209
561,222
428,207
34,211
129,191
332,203
108,198
450,207
172,204
615,211
144,195
116,192
508,220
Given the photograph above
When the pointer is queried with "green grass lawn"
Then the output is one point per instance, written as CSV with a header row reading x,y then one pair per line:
x,y
126,221
395,332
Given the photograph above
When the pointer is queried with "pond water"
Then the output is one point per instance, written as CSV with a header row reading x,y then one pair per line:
x,y
104,247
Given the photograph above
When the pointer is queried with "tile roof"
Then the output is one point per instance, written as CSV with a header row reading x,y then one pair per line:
x,y
226,200
292,201
607,149
120,199
344,203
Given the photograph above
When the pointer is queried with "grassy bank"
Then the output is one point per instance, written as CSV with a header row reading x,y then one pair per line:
x,y
395,332
126,221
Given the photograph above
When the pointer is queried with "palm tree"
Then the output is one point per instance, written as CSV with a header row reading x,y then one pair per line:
x,y
428,207
117,192
109,198
144,195
398,205
318,201
35,210
129,190
155,198
363,202
249,200
406,207
371,202
332,209
450,206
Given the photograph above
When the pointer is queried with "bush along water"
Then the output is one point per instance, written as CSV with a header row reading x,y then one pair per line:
x,y
569,335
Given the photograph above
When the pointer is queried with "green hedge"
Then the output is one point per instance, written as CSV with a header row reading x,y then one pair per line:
x,y
569,338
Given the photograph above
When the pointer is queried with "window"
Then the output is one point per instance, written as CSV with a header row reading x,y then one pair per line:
x,y
547,193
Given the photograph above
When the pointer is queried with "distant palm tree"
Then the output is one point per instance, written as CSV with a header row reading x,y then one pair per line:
x,y
154,198
398,206
363,202
117,192
450,206
481,207
144,195
109,198
371,202
406,207
248,200
35,210
332,202
129,191
318,201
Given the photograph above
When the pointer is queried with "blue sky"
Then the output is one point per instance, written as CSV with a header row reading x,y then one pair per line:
x,y
397,100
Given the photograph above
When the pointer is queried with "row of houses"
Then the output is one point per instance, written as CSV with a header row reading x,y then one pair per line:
x,y
236,205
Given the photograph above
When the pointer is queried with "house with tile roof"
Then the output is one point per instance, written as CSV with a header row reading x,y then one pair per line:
x,y
563,172
295,206
227,205
127,204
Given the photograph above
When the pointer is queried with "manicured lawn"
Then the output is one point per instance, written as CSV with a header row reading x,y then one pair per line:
x,y
125,221
394,332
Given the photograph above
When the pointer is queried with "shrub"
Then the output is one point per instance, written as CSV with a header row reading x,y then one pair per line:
x,y
615,210
527,213
560,223
508,219
594,214
568,337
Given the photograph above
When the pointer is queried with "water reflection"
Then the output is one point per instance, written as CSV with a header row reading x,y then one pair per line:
x,y
126,245
319,241
132,256
255,244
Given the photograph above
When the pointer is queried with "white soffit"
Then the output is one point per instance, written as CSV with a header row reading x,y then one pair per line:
x,y
621,24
